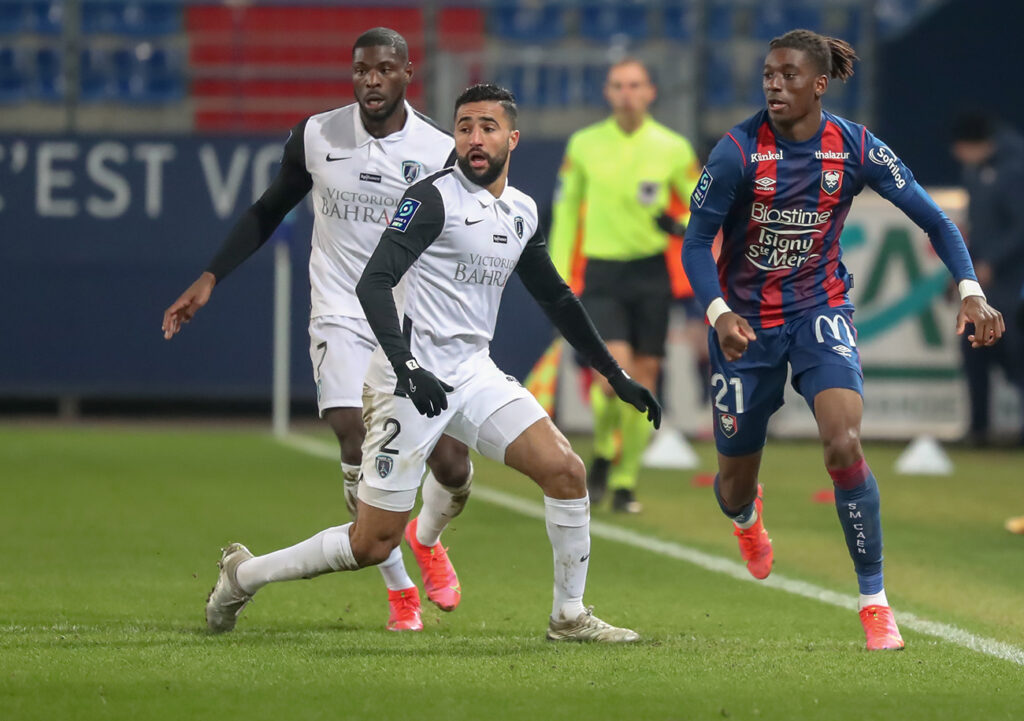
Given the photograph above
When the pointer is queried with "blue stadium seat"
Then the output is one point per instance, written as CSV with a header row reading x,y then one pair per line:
x,y
155,17
49,75
602,21
127,80
93,75
512,78
677,20
718,88
803,15
770,20
528,23
12,16
46,16
13,85
719,19
162,77
101,16
593,84
553,86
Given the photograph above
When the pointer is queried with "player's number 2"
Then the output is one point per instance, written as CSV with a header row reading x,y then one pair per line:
x,y
396,428
721,384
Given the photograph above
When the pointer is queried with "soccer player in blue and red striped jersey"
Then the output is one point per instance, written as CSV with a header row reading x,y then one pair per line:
x,y
780,185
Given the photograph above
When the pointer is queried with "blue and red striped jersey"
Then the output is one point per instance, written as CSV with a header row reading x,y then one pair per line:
x,y
781,206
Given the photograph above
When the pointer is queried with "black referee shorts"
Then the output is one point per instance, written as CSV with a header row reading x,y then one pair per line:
x,y
628,300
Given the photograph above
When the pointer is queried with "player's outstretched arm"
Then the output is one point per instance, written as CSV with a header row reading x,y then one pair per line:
x,y
252,229
564,309
989,325
188,304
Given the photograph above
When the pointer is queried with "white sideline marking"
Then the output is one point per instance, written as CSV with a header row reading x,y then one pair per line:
x,y
728,567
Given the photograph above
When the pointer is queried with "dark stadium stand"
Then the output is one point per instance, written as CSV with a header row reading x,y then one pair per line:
x,y
262,65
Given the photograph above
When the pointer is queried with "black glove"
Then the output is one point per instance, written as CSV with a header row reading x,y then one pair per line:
x,y
636,395
424,389
670,225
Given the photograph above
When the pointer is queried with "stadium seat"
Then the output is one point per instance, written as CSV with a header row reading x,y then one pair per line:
x,y
49,74
770,20
101,16
93,75
719,19
719,89
528,23
12,16
803,15
513,78
162,76
677,20
13,87
602,21
593,84
151,18
553,86
46,16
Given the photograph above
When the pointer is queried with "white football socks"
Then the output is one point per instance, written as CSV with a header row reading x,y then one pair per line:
x,y
440,505
329,550
568,523
747,523
396,578
873,599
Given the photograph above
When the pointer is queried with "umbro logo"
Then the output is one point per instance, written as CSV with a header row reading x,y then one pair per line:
x,y
342,157
474,222
764,185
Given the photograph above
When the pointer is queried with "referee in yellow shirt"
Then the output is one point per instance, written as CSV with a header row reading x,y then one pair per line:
x,y
624,185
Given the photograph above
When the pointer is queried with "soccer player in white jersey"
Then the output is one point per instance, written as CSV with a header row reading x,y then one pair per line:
x,y
456,238
358,160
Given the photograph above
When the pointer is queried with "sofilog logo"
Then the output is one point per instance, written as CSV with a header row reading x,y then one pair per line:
x,y
882,155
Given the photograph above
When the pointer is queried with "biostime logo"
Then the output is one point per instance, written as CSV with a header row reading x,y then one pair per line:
x,y
797,217
765,157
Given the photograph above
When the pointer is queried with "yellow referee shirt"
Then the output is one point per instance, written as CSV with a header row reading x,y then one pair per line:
x,y
613,185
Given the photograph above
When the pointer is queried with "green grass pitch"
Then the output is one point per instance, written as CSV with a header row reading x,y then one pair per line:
x,y
109,538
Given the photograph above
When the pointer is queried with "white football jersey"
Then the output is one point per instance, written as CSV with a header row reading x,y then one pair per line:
x,y
469,243
358,182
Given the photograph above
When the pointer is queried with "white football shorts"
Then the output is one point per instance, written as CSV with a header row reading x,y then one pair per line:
x,y
487,414
340,348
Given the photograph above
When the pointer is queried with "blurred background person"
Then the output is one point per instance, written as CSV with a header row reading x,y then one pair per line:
x,y
620,181
992,158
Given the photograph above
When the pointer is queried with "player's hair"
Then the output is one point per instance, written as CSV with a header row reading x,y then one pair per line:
x,y
832,56
376,37
489,91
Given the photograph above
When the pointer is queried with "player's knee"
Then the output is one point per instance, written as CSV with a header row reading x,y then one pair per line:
x,y
565,476
842,448
371,551
451,467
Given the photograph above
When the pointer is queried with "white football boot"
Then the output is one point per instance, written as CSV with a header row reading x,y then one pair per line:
x,y
588,627
227,599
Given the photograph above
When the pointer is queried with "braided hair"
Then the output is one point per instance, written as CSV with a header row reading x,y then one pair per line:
x,y
833,57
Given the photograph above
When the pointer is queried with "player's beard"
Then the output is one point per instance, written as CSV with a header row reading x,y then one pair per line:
x,y
488,176
383,113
